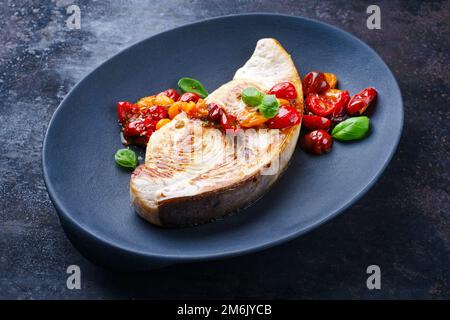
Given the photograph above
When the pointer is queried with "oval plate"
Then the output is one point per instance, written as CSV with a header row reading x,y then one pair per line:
x,y
91,194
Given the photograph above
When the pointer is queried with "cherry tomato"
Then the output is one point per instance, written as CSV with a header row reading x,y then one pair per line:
x,y
287,116
201,110
319,105
157,112
189,96
317,142
340,100
332,102
361,101
337,119
142,140
316,122
215,112
150,123
171,93
314,82
229,122
126,110
174,109
133,128
284,90
139,127
331,79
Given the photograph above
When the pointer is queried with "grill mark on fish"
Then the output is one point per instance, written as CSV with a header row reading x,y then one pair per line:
x,y
185,190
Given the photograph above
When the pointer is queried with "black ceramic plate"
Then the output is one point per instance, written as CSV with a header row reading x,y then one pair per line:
x,y
91,194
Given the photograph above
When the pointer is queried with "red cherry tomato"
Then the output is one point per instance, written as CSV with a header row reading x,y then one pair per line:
x,y
133,128
316,122
150,123
171,93
287,116
361,101
126,110
332,102
340,100
139,127
319,105
314,82
156,113
229,122
317,142
189,96
284,90
142,140
215,112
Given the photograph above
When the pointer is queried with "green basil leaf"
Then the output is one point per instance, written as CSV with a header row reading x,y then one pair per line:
x,y
192,85
126,158
252,97
269,106
351,129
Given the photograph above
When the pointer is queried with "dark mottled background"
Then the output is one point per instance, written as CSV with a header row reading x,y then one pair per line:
x,y
402,224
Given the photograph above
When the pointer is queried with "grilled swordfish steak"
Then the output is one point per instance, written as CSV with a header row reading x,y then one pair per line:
x,y
195,174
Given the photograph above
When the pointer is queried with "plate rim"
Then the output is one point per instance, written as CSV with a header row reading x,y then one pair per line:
x,y
61,210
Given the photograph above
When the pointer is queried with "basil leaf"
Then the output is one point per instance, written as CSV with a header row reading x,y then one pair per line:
x,y
126,158
252,97
351,129
269,106
192,85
